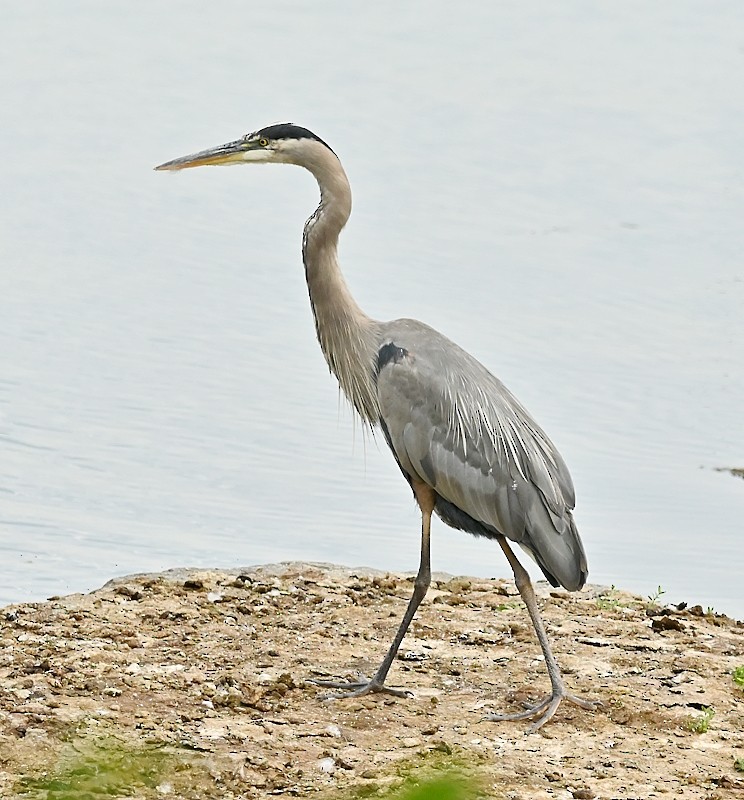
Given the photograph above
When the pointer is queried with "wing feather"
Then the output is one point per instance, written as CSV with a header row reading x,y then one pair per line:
x,y
454,425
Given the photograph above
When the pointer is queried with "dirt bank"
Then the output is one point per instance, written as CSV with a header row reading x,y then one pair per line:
x,y
193,682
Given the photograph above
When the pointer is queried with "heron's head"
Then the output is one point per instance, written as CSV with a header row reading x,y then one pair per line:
x,y
278,144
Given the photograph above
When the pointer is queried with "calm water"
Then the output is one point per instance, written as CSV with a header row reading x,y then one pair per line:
x,y
559,190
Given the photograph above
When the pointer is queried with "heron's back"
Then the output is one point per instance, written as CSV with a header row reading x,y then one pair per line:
x,y
455,426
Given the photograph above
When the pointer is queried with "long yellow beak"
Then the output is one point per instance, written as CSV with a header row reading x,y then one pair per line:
x,y
230,153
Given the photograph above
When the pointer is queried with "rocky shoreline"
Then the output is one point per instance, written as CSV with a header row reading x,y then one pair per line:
x,y
197,680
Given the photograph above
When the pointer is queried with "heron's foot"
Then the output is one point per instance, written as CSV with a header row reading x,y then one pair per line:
x,y
357,688
546,708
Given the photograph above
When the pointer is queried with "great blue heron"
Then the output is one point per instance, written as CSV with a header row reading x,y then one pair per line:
x,y
470,451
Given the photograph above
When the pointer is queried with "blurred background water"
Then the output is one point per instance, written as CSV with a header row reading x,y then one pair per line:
x,y
557,188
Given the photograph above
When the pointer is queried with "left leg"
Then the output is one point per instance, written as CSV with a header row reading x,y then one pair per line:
x,y
549,704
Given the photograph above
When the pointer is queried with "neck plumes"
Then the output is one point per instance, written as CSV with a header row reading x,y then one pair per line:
x,y
347,336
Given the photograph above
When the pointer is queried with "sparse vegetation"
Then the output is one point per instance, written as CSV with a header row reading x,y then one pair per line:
x,y
739,764
701,723
738,676
437,775
653,598
92,768
447,786
609,599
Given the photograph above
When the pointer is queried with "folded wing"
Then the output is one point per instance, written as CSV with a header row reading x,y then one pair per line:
x,y
454,425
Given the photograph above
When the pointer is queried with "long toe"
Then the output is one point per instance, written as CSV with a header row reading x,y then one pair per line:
x,y
528,713
544,710
589,705
357,688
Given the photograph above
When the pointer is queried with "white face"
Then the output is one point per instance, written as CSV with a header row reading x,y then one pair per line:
x,y
278,151
263,156
259,150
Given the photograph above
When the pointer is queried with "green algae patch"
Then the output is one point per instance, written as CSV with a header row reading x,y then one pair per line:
x,y
89,769
436,775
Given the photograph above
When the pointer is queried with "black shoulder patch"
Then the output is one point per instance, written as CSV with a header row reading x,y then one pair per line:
x,y
288,130
390,352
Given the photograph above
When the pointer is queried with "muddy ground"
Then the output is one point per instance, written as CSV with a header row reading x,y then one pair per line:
x,y
208,669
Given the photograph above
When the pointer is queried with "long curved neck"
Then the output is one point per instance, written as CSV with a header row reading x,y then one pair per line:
x,y
347,336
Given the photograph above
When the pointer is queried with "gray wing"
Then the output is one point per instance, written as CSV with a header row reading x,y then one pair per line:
x,y
453,425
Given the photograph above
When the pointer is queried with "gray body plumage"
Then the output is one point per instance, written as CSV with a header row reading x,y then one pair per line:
x,y
455,426
470,452
447,419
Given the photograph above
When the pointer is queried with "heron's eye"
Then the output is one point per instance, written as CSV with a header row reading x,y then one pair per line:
x,y
263,142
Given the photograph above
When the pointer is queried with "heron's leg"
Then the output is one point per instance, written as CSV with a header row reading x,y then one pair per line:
x,y
426,498
550,704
